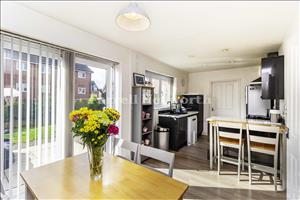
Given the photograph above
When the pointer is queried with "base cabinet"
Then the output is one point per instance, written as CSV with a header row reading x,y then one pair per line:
x,y
178,131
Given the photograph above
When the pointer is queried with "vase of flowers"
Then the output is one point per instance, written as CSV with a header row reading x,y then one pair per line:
x,y
94,127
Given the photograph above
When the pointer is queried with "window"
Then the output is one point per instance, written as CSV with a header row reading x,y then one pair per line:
x,y
23,66
81,90
163,88
24,87
81,74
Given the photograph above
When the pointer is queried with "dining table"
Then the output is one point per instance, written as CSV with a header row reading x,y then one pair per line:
x,y
121,179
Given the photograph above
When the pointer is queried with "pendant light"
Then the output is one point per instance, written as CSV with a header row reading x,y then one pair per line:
x,y
133,18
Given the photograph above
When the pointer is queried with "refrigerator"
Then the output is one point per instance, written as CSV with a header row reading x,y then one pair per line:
x,y
256,107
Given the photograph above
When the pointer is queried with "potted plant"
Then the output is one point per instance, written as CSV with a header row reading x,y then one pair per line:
x,y
94,127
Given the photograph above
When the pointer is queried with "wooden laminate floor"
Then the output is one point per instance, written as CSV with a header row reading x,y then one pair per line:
x,y
192,167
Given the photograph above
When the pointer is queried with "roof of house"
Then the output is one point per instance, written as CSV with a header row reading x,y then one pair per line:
x,y
81,67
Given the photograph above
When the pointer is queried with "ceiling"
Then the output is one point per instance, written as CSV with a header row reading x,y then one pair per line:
x,y
187,35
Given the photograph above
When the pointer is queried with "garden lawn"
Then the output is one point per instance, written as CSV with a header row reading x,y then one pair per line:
x,y
33,134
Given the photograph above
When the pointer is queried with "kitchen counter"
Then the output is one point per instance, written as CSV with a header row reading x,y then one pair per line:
x,y
178,127
189,113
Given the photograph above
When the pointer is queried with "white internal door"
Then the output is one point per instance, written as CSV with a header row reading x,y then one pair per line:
x,y
292,100
225,99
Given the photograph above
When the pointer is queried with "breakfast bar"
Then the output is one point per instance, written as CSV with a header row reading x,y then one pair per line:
x,y
213,121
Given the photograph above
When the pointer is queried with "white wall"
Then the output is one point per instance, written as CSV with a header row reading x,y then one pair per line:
x,y
21,20
141,63
200,82
291,52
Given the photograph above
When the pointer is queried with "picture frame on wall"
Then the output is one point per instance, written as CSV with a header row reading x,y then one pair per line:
x,y
138,79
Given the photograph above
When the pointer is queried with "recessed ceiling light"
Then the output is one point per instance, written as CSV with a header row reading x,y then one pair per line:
x,y
133,18
225,50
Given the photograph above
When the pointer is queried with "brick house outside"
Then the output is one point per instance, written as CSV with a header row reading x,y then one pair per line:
x,y
83,81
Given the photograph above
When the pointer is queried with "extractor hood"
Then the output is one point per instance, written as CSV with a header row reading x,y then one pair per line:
x,y
256,81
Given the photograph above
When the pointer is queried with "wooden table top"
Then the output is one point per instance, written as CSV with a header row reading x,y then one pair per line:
x,y
213,120
121,179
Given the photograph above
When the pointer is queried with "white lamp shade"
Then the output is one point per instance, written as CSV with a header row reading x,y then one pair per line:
x,y
133,18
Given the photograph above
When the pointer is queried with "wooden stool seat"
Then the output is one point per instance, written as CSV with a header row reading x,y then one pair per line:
x,y
262,146
230,140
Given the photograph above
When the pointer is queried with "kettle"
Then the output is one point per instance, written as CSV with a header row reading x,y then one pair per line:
x,y
275,116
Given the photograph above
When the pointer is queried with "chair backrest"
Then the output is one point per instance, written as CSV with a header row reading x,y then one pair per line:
x,y
157,154
229,134
260,138
132,147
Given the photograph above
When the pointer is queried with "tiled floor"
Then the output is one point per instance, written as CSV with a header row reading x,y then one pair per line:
x,y
192,167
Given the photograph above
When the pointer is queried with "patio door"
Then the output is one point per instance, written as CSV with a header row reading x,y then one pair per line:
x,y
93,83
32,92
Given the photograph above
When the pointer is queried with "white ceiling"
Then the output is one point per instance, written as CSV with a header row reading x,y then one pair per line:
x,y
187,35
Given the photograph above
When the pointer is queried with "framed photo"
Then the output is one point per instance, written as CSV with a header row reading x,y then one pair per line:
x,y
147,98
138,79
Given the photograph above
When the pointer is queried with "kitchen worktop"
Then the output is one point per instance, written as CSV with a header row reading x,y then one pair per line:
x,y
243,120
189,113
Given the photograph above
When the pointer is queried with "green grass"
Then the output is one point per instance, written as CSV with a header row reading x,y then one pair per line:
x,y
33,134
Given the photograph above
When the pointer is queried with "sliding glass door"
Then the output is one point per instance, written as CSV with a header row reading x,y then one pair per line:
x,y
30,114
93,87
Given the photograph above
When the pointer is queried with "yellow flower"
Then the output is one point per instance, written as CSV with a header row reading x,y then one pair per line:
x,y
92,122
113,114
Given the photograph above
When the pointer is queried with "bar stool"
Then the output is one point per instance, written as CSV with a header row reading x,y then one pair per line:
x,y
265,145
231,139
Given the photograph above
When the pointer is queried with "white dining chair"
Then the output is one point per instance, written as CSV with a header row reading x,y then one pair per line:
x,y
131,147
226,137
157,154
265,145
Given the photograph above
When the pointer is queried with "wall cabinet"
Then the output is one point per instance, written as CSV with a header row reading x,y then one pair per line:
x,y
272,74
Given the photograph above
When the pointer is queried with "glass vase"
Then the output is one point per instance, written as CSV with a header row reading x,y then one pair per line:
x,y
95,155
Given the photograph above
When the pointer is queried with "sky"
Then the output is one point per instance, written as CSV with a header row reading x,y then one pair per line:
x,y
99,76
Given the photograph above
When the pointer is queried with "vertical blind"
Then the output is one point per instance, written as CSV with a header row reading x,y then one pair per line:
x,y
32,91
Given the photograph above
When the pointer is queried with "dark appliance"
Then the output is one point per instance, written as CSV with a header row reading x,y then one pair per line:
x,y
272,73
256,107
193,102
